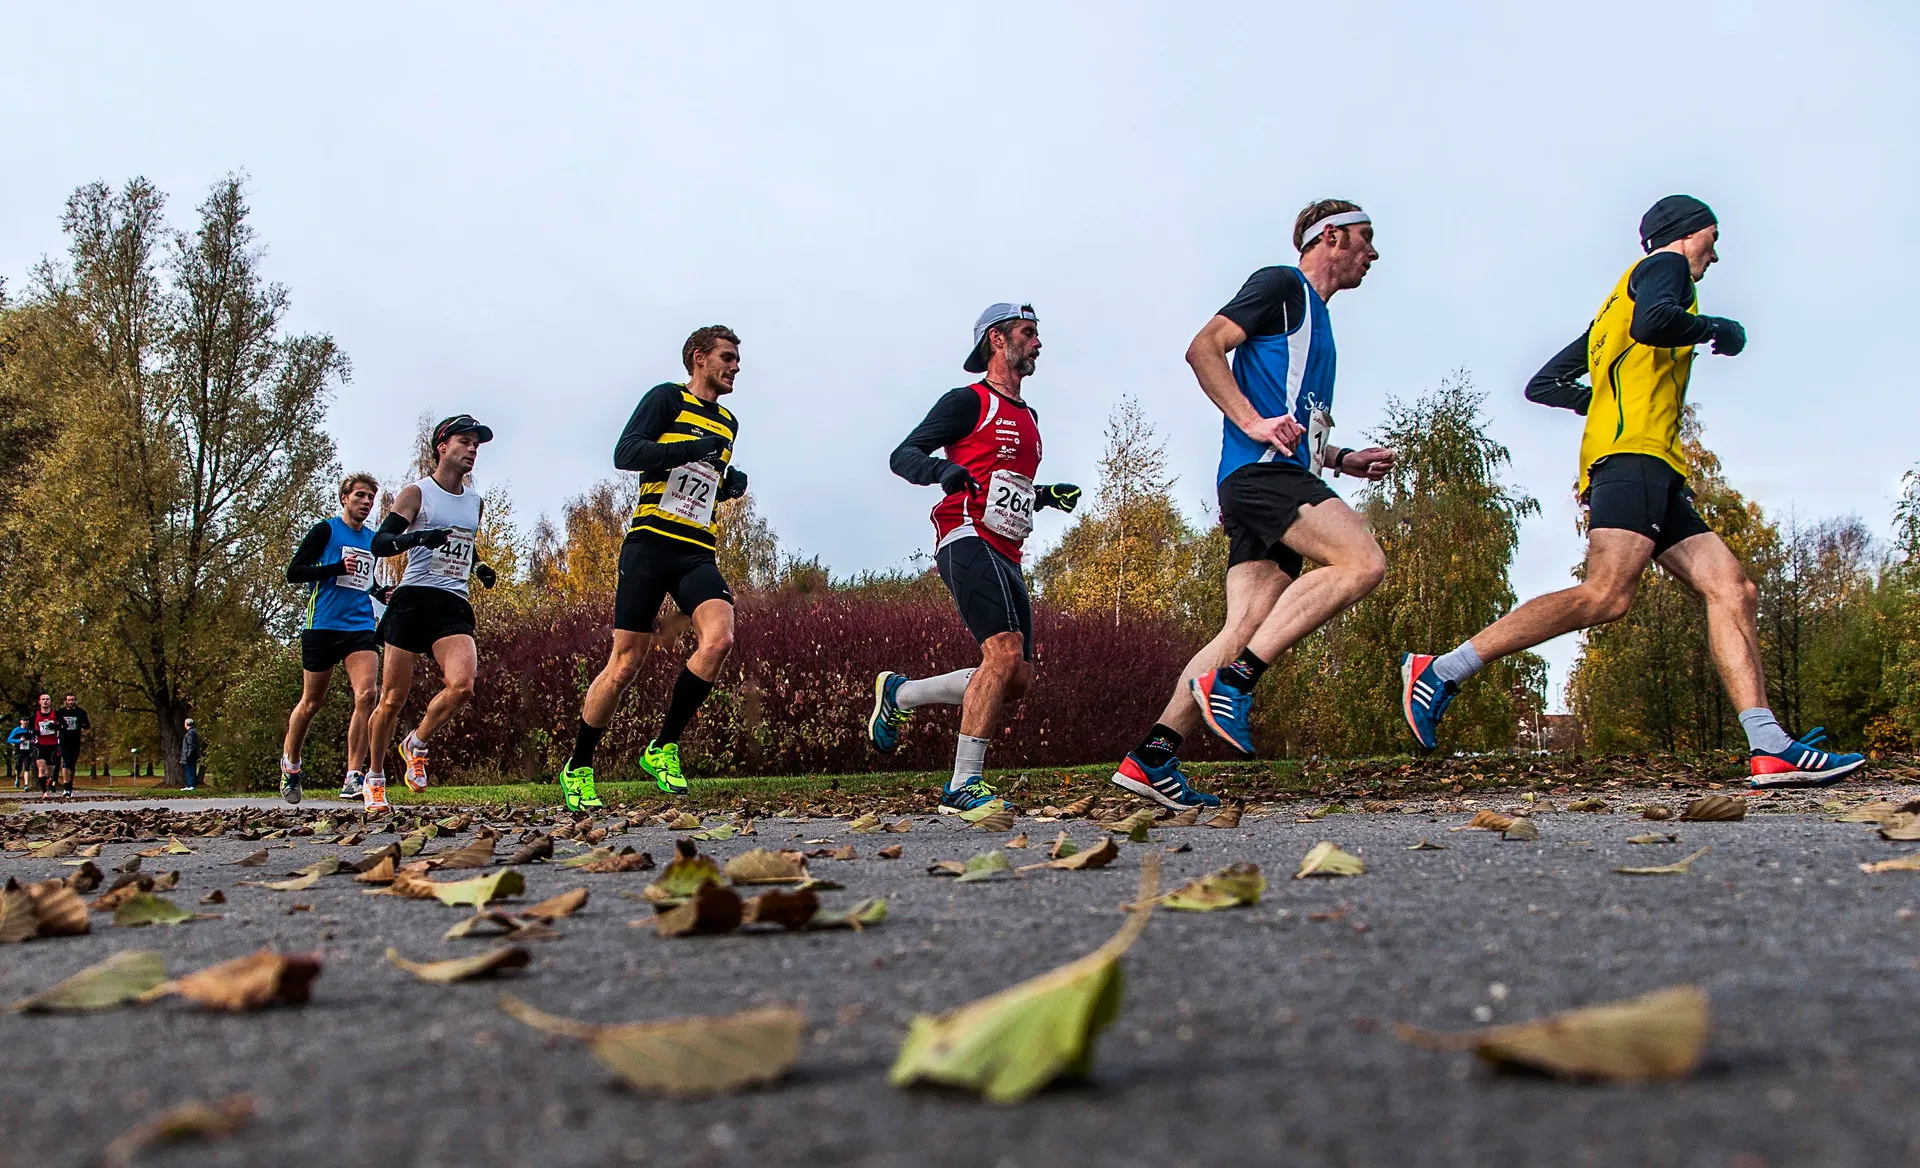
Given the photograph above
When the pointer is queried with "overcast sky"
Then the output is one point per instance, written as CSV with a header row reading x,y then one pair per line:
x,y
521,214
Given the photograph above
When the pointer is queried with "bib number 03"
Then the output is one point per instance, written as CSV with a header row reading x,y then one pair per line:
x,y
690,493
359,573
1009,505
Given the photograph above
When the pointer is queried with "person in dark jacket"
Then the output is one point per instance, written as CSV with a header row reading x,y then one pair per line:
x,y
190,753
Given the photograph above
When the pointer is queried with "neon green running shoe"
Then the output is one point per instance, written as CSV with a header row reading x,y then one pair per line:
x,y
576,783
663,763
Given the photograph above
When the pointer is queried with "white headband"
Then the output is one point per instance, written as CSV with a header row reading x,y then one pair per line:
x,y
1338,219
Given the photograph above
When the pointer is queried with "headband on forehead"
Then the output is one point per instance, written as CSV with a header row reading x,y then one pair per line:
x,y
1338,219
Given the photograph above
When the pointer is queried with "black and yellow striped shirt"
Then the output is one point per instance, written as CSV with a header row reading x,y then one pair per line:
x,y
669,415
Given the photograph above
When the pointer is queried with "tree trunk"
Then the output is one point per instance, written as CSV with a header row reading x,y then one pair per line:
x,y
171,732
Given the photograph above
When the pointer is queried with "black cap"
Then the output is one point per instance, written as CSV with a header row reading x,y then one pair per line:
x,y
460,424
1674,217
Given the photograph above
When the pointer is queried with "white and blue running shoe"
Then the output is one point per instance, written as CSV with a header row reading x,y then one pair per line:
x,y
1801,764
1164,785
1424,697
887,720
1228,711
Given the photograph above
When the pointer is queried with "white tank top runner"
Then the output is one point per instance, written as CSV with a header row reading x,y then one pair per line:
x,y
445,567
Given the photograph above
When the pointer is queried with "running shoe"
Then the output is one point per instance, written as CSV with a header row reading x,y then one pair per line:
x,y
1164,785
374,790
1424,697
972,794
887,719
1801,764
416,760
1228,711
576,784
351,788
663,763
290,782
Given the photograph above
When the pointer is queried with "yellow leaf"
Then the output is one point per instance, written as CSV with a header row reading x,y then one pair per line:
x,y
1326,859
1658,1035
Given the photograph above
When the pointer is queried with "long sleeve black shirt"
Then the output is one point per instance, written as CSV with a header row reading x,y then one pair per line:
x,y
306,566
1662,291
952,418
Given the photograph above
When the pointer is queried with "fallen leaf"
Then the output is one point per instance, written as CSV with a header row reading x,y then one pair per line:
x,y
112,897
761,866
723,832
537,849
904,825
1063,846
865,823
947,868
1230,887
843,853
1904,827
564,904
1182,846
682,878
987,810
1011,1044
685,1056
1186,818
214,897
627,861
221,1117
517,928
1326,859
685,821
1653,838
1677,868
174,848
1426,845
890,852
1225,817
120,978
85,878
1657,813
60,910
1907,863
325,866
1018,841
410,845
476,853
1077,808
1098,856
166,882
1486,819
148,909
481,890
789,910
1715,807
713,908
1001,820
984,866
861,916
297,884
380,873
1135,822
252,860
245,983
1522,829
1655,1036
1879,811
462,968
1591,803
53,850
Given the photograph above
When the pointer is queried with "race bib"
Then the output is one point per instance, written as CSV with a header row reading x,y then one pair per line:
x,y
454,558
1009,505
690,493
1319,425
359,573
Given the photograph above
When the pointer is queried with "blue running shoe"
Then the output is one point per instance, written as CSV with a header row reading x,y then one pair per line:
x,y
1228,711
1164,785
1424,697
887,719
1801,764
971,796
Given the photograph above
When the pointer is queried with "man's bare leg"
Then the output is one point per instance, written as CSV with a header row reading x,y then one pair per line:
x,y
1615,561
1252,590
396,679
459,662
363,674
1336,537
313,694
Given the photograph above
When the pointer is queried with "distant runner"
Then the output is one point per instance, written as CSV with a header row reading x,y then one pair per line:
x,y
1639,353
992,441
1277,398
680,439
434,521
46,744
20,738
73,724
336,562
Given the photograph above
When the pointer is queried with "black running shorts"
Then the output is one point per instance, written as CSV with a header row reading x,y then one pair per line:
x,y
48,753
322,649
1642,494
1259,502
70,756
988,589
653,569
421,614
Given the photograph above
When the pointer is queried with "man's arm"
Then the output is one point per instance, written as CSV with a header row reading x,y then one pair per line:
x,y
1558,383
952,418
1273,301
306,566
393,536
640,448
1662,291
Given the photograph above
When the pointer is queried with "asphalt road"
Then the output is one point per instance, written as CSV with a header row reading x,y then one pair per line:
x,y
1260,1035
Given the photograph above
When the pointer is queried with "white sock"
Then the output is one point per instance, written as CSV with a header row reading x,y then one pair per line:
x,y
1458,665
949,689
969,761
376,778
414,742
289,765
1763,731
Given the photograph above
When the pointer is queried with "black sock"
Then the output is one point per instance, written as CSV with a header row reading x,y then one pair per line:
x,y
1160,745
586,740
1242,671
689,690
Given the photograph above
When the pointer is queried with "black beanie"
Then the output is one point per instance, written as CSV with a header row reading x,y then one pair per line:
x,y
1674,217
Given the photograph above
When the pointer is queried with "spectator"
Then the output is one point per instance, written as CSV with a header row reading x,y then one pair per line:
x,y
73,723
190,751
20,739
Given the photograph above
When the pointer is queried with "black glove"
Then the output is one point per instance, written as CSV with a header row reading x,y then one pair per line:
x,y
382,593
699,450
1065,496
1728,337
426,537
955,479
733,486
485,574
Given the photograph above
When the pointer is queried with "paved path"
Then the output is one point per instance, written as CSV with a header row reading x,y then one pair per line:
x,y
1255,1036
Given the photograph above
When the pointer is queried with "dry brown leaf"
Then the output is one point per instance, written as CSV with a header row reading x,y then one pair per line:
x,y
253,860
844,852
1677,868
1327,859
1522,829
1131,823
1879,811
381,873
18,921
246,983
85,878
554,907
1098,856
761,866
1186,818
1077,808
297,884
60,910
685,821
1657,813
166,882
221,1117
1590,803
627,861
890,852
1715,808
1225,817
903,825
1018,841
538,848
789,910
1658,1035
1486,819
864,824
685,1056
476,853
110,900
54,849
1654,838
462,968
214,897
1907,863
1903,828
713,908
1000,820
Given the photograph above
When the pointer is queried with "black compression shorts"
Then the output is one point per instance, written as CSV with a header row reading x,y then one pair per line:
x,y
48,753
1259,502
420,614
988,589
653,569
1642,494
322,649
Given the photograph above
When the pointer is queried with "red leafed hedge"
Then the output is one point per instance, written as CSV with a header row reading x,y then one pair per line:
x,y
795,694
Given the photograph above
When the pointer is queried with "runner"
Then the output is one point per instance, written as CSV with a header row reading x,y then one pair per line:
x,y
1639,352
992,439
434,522
20,738
73,723
335,561
1277,398
680,439
46,744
